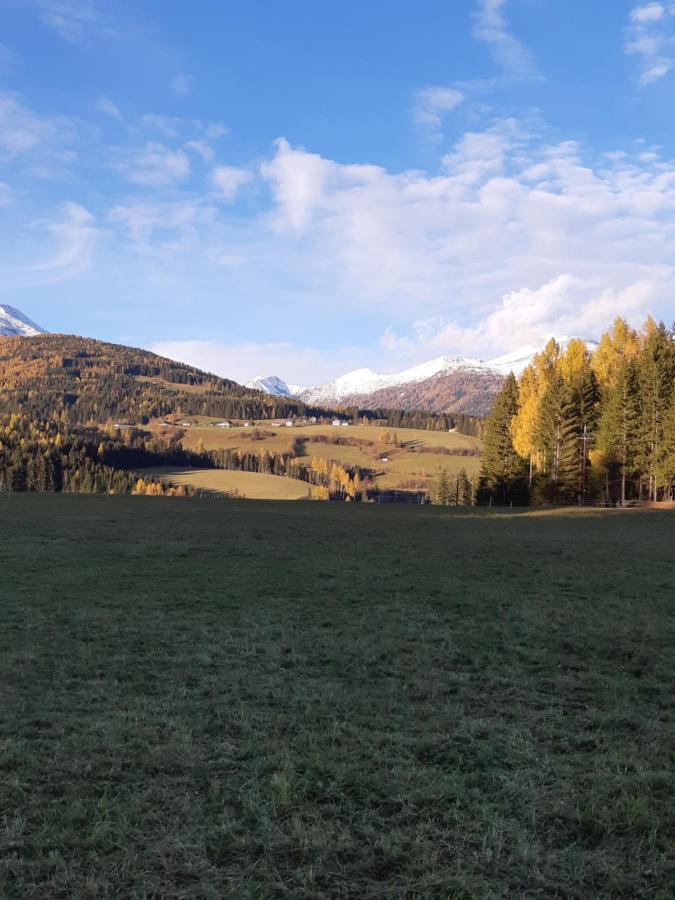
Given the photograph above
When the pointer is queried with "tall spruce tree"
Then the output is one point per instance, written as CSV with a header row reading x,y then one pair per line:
x,y
656,372
619,426
548,427
569,468
666,468
504,472
440,488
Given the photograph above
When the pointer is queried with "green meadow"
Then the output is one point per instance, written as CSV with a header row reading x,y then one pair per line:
x,y
229,699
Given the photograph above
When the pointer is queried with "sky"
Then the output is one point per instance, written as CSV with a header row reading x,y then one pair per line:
x,y
303,188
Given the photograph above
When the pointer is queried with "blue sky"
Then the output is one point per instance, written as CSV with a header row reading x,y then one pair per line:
x,y
302,188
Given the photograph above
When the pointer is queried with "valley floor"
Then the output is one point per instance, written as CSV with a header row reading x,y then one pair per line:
x,y
209,699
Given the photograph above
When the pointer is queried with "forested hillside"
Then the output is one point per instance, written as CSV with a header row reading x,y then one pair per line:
x,y
79,380
577,427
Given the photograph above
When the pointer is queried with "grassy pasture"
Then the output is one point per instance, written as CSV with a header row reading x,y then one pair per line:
x,y
224,700
405,463
248,485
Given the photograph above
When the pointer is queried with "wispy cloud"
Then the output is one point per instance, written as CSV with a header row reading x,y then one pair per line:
x,y
432,104
108,108
74,20
651,37
23,130
168,126
182,84
490,26
246,360
73,236
157,166
513,223
229,180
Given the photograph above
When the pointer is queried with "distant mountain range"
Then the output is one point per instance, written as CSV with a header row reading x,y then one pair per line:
x,y
445,384
13,323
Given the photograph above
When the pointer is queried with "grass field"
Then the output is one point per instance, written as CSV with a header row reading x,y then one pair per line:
x,y
414,462
245,700
247,485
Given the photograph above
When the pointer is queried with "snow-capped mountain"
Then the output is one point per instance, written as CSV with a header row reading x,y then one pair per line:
x,y
519,359
14,323
271,384
366,381
450,384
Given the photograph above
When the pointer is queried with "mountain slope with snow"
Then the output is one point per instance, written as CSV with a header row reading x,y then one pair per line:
x,y
518,360
13,323
272,384
445,384
365,381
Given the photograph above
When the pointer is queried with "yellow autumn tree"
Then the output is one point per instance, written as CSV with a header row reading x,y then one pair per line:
x,y
620,342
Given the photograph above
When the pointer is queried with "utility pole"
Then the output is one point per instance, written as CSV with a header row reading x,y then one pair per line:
x,y
585,438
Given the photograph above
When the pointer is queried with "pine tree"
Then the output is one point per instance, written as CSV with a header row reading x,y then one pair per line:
x,y
569,467
656,372
666,467
440,488
619,424
504,472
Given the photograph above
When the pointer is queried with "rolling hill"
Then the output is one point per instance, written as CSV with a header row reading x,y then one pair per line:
x,y
81,380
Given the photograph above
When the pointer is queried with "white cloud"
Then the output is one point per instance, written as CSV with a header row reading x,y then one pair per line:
x,y
73,234
22,130
564,306
211,130
202,149
651,37
229,180
433,103
490,27
73,20
182,84
298,179
652,12
152,226
108,108
244,361
509,217
166,125
157,166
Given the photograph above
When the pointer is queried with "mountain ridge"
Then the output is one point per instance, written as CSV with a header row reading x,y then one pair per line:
x,y
443,384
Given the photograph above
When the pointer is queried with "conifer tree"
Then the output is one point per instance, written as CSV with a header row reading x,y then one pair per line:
x,y
619,424
504,473
656,372
666,467
440,488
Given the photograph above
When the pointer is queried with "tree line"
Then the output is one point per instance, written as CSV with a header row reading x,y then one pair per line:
x,y
580,426
45,456
331,480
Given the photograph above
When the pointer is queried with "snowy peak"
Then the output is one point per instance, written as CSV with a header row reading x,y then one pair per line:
x,y
365,381
519,359
14,323
359,385
272,384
